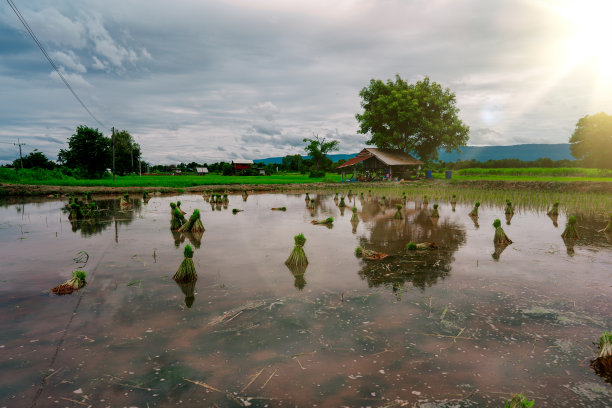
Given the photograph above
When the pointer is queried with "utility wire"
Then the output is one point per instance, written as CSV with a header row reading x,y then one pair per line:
x,y
27,27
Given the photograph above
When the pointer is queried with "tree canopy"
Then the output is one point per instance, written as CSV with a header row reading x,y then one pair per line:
x,y
88,150
127,153
417,118
592,140
317,148
34,159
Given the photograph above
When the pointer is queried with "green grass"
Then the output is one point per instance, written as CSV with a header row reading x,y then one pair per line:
x,y
51,178
536,174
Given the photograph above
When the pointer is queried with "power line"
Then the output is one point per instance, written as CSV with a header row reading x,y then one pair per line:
x,y
27,27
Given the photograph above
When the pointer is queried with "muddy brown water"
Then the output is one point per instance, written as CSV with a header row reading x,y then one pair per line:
x,y
453,327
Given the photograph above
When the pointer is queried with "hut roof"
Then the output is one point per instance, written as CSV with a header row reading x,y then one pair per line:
x,y
242,161
390,157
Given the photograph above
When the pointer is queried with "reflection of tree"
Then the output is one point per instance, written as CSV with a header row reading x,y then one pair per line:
x,y
423,267
109,211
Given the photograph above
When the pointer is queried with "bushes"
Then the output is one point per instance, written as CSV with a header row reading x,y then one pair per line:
x,y
316,174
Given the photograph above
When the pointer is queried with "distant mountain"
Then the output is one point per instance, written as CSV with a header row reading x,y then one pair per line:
x,y
525,152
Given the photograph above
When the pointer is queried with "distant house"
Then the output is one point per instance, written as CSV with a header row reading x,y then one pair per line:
x,y
202,171
242,164
374,163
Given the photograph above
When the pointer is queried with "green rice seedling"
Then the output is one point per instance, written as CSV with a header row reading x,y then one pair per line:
x,y
194,224
570,231
88,195
279,209
603,363
186,271
554,211
236,210
411,246
518,401
425,200
369,254
76,282
145,195
177,220
298,256
178,205
307,199
342,203
453,202
225,198
500,237
312,204
474,212
361,196
336,197
327,221
434,212
398,214
509,207
383,200
354,217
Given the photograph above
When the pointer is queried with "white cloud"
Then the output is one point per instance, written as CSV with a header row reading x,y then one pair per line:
x,y
68,60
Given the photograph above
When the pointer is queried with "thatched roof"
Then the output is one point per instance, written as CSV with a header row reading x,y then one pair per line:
x,y
390,157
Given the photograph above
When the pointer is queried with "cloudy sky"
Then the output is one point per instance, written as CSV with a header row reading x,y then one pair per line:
x,y
214,80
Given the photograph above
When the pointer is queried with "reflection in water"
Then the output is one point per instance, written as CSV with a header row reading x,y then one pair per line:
x,y
109,212
179,238
188,289
421,268
499,248
554,219
509,218
570,243
475,221
298,272
195,238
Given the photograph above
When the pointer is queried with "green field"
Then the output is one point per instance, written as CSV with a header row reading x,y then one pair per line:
x,y
532,174
55,178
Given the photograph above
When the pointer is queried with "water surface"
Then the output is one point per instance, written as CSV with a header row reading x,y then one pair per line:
x,y
464,325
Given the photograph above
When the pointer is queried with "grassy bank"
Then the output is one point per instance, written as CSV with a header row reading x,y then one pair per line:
x,y
533,174
55,178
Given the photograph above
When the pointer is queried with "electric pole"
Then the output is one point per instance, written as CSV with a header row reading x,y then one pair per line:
x,y
113,138
20,157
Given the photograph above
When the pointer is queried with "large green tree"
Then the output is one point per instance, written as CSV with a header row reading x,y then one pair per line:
x,y
317,148
592,140
418,118
34,159
127,153
88,150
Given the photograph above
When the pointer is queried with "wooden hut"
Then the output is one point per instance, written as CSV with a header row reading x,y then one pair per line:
x,y
373,164
242,164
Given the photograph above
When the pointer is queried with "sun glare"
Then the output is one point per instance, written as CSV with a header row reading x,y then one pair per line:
x,y
590,34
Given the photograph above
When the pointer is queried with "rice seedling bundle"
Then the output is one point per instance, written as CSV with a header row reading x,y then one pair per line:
x,y
570,231
125,200
279,209
178,205
500,237
474,212
177,220
509,207
369,254
398,214
411,246
76,282
194,224
342,203
186,271
298,256
519,401
434,212
327,221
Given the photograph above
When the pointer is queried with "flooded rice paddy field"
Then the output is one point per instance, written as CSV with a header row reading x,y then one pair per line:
x,y
461,326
